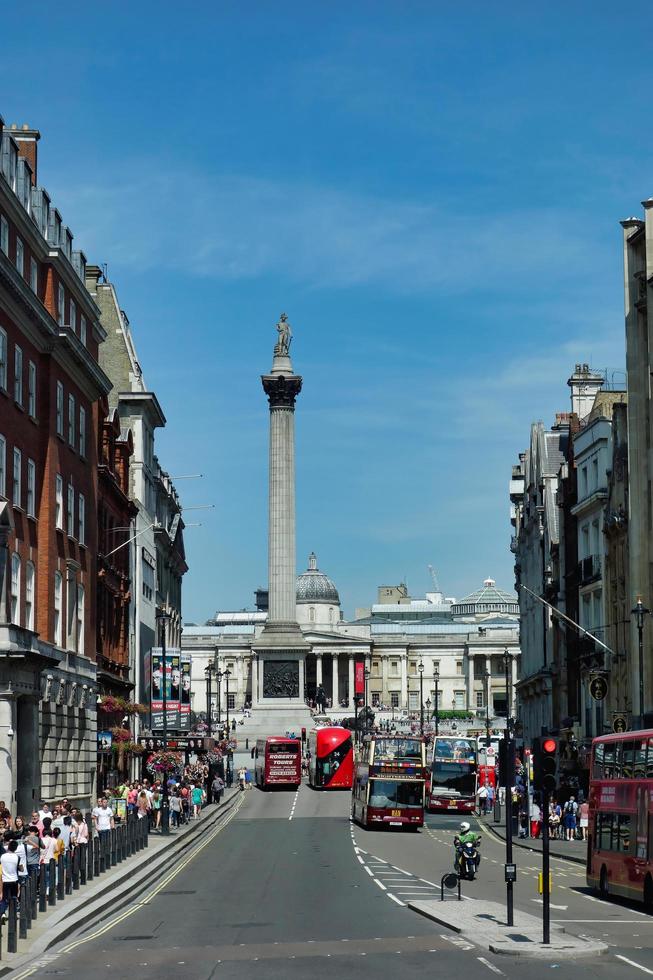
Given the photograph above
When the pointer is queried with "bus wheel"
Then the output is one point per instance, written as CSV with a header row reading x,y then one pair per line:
x,y
603,882
648,894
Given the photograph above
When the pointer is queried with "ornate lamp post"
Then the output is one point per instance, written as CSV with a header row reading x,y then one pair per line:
x,y
510,776
227,674
420,668
367,673
162,618
208,673
428,708
218,675
436,681
640,611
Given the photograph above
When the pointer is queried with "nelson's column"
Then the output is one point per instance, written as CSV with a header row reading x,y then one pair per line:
x,y
280,651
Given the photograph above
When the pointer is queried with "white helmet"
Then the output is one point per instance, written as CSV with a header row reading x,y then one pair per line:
x,y
464,827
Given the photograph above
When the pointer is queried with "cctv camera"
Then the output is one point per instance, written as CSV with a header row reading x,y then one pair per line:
x,y
125,721
10,732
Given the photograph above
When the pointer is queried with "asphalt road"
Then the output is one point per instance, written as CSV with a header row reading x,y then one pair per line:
x,y
288,888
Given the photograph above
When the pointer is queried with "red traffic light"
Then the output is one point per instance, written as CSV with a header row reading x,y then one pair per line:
x,y
549,745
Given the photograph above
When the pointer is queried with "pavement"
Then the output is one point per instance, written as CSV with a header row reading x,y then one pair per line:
x,y
573,850
284,887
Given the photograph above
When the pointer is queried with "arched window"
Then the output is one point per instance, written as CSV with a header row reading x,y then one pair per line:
x,y
80,619
330,614
311,614
29,595
14,612
58,586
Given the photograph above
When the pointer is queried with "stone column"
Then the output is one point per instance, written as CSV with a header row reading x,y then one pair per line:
x,y
488,693
240,687
470,682
254,680
335,685
6,527
350,692
8,747
318,669
404,680
385,691
282,390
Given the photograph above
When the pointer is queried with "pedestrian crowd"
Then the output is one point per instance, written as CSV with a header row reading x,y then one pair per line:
x,y
567,821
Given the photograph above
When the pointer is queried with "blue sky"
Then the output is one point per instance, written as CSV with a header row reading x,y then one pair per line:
x,y
432,194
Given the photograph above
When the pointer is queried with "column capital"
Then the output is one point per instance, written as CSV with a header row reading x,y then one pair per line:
x,y
281,390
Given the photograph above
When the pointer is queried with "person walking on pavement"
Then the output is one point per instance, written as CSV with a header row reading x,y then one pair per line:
x,y
482,798
584,814
241,778
217,788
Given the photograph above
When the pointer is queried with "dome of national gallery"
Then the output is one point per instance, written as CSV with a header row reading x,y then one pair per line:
x,y
314,586
488,601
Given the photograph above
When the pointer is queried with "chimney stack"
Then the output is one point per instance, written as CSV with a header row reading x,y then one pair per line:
x,y
26,140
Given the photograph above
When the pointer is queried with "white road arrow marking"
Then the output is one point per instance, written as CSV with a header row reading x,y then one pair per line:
x,y
561,908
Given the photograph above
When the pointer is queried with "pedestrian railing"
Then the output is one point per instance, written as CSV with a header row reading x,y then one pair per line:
x,y
48,885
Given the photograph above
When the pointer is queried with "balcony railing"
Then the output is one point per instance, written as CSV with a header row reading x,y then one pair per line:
x,y
590,569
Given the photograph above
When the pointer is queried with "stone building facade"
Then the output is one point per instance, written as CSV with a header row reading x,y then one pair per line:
x,y
50,380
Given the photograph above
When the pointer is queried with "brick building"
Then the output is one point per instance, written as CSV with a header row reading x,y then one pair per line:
x,y
50,381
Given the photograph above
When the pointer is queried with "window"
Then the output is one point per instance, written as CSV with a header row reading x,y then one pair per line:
x,y
29,595
412,666
613,832
311,613
82,329
595,473
20,256
82,431
58,587
4,234
81,505
376,699
34,275
459,667
413,700
31,488
71,420
479,699
59,408
15,589
71,612
394,699
58,502
31,389
3,359
80,619
18,375
70,511
73,315
148,579
17,491
61,305
583,482
459,700
231,701
394,667
3,466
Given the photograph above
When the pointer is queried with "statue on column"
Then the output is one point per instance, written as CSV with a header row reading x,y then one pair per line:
x,y
282,346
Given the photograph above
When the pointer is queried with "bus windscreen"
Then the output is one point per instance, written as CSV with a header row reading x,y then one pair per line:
x,y
454,778
397,748
387,793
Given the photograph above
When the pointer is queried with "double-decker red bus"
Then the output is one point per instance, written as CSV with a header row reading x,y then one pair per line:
x,y
453,774
620,842
278,762
331,759
388,789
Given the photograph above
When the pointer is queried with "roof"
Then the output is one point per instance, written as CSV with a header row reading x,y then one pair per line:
x,y
489,598
314,586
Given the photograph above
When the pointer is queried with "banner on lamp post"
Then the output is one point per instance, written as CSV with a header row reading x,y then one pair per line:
x,y
172,679
185,692
359,677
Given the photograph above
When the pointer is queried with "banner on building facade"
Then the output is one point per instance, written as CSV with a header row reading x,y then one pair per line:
x,y
359,677
185,693
104,740
171,677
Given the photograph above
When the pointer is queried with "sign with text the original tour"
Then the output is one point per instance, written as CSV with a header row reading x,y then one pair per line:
x,y
598,687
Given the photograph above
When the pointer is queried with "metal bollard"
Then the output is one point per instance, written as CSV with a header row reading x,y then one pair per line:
x,y
25,920
33,897
52,889
68,865
119,832
114,844
61,877
101,853
95,843
12,935
146,833
43,895
75,867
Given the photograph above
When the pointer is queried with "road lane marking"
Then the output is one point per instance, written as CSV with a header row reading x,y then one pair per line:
x,y
294,804
637,966
395,899
370,873
490,966
380,884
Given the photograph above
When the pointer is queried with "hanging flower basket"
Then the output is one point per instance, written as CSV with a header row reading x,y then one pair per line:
x,y
113,706
121,736
165,763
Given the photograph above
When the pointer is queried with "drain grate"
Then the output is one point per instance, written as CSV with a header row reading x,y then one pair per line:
x,y
179,893
131,938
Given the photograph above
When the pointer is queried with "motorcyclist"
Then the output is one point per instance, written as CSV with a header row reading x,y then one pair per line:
x,y
467,836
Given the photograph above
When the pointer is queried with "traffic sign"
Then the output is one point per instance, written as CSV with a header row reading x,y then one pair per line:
x,y
598,687
619,721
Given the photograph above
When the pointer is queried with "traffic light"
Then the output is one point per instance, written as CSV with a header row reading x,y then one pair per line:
x,y
506,762
545,764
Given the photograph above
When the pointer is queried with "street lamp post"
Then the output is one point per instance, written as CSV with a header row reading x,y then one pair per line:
x,y
366,673
510,775
436,680
486,676
163,618
227,674
640,611
428,709
420,668
218,675
208,672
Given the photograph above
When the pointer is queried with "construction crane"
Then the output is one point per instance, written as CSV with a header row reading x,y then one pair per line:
x,y
434,579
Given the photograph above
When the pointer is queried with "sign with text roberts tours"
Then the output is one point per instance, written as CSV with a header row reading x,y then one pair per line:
x,y
359,677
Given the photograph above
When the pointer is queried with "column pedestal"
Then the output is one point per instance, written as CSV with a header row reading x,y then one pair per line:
x,y
335,681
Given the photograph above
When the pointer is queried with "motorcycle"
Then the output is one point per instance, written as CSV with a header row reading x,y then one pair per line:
x,y
467,859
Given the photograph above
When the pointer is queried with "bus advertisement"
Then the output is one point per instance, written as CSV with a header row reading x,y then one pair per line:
x,y
388,789
620,842
278,762
453,774
331,758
